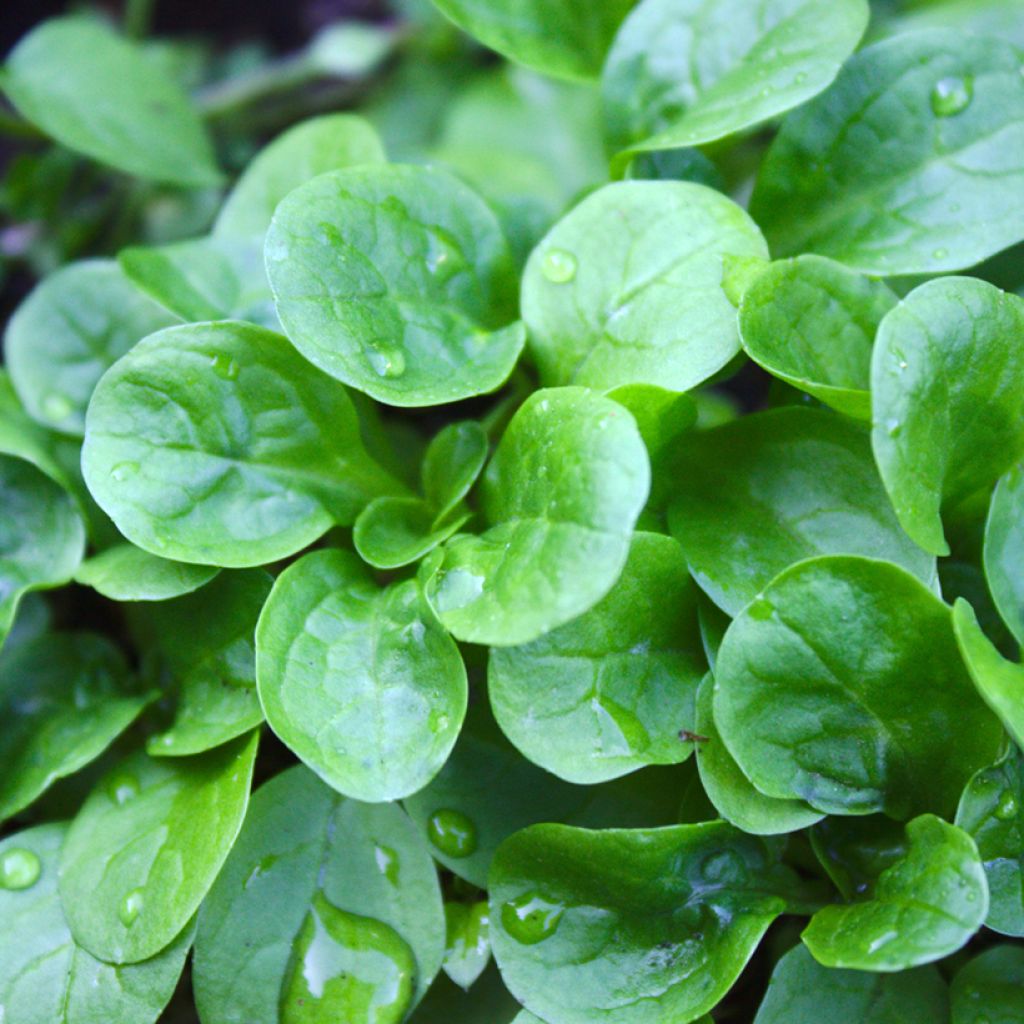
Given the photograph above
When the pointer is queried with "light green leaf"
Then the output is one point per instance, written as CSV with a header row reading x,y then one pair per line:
x,y
947,392
208,639
310,148
812,323
854,719
562,494
219,444
1004,550
396,280
802,991
64,697
627,287
730,791
127,573
991,811
688,72
42,538
1000,682
767,490
453,462
638,926
338,905
612,690
147,845
362,683
997,18
469,944
73,325
392,532
95,93
912,163
923,907
45,976
562,38
990,988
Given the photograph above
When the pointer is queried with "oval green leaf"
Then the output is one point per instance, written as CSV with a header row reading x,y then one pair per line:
x,y
97,94
614,689
562,494
627,287
758,494
1004,550
453,462
947,392
219,444
146,846
468,950
331,914
857,719
127,573
362,683
396,280
392,532
912,163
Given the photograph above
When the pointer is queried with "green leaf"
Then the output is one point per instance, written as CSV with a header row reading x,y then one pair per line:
x,y
812,323
487,1002
562,38
627,287
854,851
992,812
219,444
392,532
208,641
362,683
453,462
147,845
45,976
612,690
923,907
912,163
990,988
97,94
469,944
765,491
947,387
1004,550
638,926
562,494
42,538
338,905
64,697
127,573
801,991
853,718
730,791
396,280
73,325
688,72
1000,682
310,148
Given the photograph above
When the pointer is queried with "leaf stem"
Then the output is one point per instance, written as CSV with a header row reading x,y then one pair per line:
x,y
138,17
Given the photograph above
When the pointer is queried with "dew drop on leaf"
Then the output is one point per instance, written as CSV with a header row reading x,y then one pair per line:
x,y
558,266
951,95
347,968
224,366
385,360
530,918
121,787
760,609
56,407
124,471
452,833
131,907
19,869
1006,809
387,863
892,427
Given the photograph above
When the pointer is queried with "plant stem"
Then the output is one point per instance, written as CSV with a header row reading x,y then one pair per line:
x,y
225,98
138,16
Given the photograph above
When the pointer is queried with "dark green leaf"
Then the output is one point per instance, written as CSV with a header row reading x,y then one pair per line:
x,y
990,988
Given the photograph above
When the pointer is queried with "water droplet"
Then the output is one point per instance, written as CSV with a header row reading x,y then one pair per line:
x,y
760,609
444,257
902,365
457,588
1007,807
800,77
387,863
438,721
882,940
892,427
347,968
224,366
121,787
131,907
385,360
56,406
452,832
19,868
530,918
940,254
558,266
951,95
124,471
